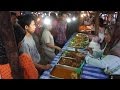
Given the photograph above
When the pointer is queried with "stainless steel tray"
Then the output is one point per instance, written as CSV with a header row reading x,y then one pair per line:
x,y
61,66
67,51
67,65
78,34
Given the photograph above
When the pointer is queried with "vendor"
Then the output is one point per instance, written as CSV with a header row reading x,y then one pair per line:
x,y
111,62
97,41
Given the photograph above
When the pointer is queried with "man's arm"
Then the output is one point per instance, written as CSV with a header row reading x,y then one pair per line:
x,y
53,46
44,67
46,38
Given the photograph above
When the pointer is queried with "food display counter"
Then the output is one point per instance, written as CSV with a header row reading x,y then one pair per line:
x,y
70,63
86,28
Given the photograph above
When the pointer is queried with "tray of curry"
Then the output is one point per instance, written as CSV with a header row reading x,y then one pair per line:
x,y
61,72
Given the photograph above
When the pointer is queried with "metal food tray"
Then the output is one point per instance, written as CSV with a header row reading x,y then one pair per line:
x,y
82,34
63,53
55,77
67,65
78,46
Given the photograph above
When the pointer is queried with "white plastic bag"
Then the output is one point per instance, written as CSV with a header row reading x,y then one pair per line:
x,y
101,36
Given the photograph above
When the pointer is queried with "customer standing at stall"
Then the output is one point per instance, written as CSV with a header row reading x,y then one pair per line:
x,y
26,63
48,44
28,44
98,40
61,30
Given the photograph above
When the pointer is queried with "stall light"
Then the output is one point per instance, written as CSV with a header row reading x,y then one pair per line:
x,y
38,19
47,21
56,14
82,15
88,14
42,15
49,13
82,11
45,14
73,18
68,20
69,14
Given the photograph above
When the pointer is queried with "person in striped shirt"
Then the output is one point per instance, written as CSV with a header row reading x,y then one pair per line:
x,y
61,30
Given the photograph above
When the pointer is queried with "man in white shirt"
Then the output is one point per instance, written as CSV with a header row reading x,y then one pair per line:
x,y
48,44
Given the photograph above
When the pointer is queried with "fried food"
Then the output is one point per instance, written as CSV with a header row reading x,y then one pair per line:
x,y
77,55
69,62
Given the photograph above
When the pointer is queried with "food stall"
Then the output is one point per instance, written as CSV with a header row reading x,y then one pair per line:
x,y
86,25
86,28
70,63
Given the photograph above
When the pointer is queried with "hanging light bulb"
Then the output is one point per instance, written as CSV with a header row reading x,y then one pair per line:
x,y
38,19
82,15
47,21
74,18
68,20
42,15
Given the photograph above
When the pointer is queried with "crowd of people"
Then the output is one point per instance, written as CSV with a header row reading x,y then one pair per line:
x,y
39,43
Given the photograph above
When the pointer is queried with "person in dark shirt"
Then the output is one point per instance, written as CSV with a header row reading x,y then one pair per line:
x,y
5,69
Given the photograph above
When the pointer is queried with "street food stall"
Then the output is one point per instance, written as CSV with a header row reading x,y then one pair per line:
x,y
86,28
70,63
